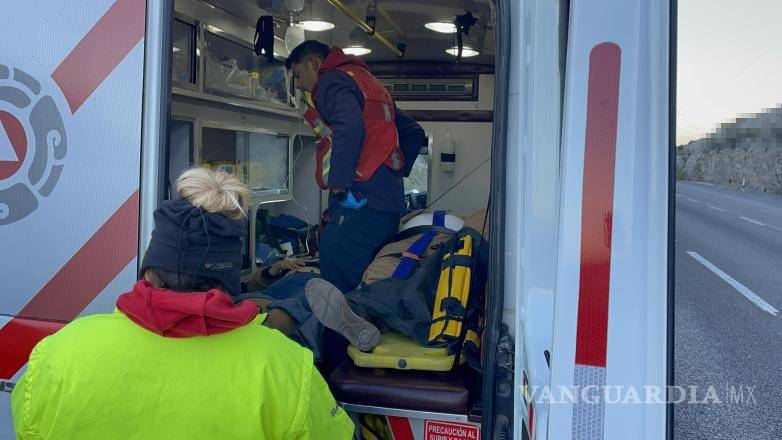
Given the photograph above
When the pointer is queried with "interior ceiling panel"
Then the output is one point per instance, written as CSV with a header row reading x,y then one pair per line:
x,y
407,27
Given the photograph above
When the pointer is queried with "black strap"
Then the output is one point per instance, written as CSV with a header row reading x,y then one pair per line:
x,y
458,260
264,37
452,306
448,318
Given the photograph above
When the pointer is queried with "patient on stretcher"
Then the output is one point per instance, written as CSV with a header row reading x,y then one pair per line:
x,y
300,304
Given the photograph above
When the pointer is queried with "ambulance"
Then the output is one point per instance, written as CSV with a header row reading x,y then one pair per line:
x,y
555,117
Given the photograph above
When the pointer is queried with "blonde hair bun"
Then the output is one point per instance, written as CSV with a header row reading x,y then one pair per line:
x,y
214,191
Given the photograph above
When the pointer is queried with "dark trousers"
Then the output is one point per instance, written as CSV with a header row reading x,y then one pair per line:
x,y
350,241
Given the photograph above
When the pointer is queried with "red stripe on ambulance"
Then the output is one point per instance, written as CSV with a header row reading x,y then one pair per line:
x,y
100,51
71,289
531,421
596,226
400,428
597,205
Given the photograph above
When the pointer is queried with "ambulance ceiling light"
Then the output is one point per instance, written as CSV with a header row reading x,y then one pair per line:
x,y
317,25
466,52
357,50
443,27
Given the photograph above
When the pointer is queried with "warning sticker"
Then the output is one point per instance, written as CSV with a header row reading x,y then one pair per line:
x,y
450,431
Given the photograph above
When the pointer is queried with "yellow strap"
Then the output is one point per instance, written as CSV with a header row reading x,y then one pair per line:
x,y
326,161
453,282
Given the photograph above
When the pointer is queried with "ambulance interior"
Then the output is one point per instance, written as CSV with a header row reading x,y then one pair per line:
x,y
235,110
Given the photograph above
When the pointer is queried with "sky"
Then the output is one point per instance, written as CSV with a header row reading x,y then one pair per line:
x,y
729,62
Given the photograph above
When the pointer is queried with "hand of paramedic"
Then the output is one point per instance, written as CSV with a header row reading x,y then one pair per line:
x,y
347,200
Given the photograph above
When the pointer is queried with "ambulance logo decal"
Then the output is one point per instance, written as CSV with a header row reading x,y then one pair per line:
x,y
33,144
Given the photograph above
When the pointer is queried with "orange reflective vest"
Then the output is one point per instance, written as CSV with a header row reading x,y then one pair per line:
x,y
381,141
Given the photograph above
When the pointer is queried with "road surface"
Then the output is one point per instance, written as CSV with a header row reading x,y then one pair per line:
x,y
728,326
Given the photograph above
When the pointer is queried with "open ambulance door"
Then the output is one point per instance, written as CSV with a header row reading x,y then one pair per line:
x,y
74,78
611,315
588,271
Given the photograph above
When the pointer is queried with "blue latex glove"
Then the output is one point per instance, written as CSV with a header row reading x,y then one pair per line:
x,y
350,202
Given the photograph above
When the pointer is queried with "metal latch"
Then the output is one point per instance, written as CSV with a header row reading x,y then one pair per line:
x,y
505,350
6,386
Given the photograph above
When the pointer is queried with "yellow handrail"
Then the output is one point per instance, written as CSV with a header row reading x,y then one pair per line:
x,y
365,27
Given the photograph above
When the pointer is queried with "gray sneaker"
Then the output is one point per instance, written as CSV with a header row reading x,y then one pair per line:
x,y
331,308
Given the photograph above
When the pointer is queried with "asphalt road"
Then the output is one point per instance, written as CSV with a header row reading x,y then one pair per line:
x,y
728,327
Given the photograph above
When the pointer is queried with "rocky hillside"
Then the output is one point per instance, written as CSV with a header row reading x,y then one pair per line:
x,y
745,153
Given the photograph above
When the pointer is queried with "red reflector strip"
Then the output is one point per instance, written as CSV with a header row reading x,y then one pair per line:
x,y
19,336
597,204
100,51
531,421
400,428
74,286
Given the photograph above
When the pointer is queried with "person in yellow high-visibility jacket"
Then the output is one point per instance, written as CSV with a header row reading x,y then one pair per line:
x,y
177,359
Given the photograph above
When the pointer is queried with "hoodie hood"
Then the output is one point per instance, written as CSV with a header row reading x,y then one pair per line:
x,y
183,315
338,58
196,243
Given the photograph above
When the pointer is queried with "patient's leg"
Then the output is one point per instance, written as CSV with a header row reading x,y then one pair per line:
x,y
277,319
332,310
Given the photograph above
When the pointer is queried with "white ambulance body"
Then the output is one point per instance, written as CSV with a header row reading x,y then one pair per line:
x,y
566,137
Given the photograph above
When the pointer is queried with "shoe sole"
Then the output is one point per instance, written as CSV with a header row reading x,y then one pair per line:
x,y
331,308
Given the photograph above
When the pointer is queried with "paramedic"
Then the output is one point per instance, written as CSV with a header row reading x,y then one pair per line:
x,y
361,139
177,359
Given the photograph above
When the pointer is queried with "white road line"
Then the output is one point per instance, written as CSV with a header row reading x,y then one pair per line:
x,y
742,289
679,196
717,209
753,221
693,200
695,182
774,228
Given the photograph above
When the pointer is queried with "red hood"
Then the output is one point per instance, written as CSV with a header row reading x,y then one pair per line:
x,y
338,58
182,315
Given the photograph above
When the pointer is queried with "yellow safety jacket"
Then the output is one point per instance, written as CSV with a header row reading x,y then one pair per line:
x,y
104,377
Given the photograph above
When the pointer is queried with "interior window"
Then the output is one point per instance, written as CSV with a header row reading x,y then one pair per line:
x,y
417,184
267,162
229,67
182,61
180,151
224,149
259,159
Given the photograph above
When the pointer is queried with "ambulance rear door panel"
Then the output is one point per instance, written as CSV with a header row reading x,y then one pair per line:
x,y
611,304
71,80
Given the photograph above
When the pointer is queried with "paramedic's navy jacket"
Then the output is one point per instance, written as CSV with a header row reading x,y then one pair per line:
x,y
352,237
340,104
